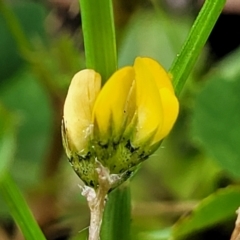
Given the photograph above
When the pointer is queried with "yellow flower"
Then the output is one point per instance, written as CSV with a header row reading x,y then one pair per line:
x,y
121,124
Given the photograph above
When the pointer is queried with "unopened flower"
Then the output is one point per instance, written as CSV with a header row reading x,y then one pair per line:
x,y
120,124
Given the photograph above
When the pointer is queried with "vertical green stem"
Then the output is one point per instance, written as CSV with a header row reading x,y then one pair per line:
x,y
19,209
99,36
117,215
195,41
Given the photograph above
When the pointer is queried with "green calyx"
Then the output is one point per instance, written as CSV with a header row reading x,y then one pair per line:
x,y
121,159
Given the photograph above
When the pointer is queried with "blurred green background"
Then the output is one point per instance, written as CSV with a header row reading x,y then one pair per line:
x,y
198,163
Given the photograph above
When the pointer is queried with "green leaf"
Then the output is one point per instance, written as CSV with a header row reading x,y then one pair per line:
x,y
214,209
7,140
216,119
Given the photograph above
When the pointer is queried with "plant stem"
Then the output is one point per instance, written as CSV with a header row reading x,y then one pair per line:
x,y
19,209
99,36
96,214
117,215
96,199
195,41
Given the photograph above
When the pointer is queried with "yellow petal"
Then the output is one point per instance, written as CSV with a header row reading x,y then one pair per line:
x,y
170,109
149,106
161,77
113,106
78,107
169,101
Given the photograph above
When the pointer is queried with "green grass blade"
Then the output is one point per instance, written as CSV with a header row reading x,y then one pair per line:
x,y
19,209
117,215
99,36
195,41
7,140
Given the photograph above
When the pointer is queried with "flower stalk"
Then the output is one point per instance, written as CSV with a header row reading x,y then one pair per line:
x,y
96,207
97,198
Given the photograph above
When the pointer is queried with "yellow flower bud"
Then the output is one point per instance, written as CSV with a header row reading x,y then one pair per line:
x,y
78,108
121,124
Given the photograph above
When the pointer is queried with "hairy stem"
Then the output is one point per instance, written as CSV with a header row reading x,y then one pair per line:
x,y
96,199
96,208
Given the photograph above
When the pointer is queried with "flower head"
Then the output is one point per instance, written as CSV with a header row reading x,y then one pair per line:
x,y
121,124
